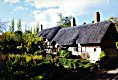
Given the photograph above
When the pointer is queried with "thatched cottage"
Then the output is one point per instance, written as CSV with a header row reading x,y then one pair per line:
x,y
49,34
89,38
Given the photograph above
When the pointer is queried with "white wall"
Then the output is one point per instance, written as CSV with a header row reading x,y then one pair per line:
x,y
93,51
73,49
94,55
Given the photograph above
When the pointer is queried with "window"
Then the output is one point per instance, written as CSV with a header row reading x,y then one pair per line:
x,y
83,49
75,48
79,49
94,49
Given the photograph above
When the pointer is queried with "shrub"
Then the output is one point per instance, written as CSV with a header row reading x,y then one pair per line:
x,y
20,43
64,53
102,55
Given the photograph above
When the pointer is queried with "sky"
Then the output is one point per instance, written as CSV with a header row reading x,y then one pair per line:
x,y
46,12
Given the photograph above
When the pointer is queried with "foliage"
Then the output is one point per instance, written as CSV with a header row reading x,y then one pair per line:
x,y
18,42
2,26
117,45
38,67
7,42
32,43
64,21
114,20
12,25
37,28
62,58
75,63
29,67
64,53
37,77
102,55
27,60
19,25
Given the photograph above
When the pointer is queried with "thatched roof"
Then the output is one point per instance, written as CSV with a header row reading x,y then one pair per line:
x,y
67,36
83,34
49,33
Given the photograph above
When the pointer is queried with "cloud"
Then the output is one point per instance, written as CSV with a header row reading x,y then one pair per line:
x,y
68,5
46,3
11,1
20,8
48,18
80,7
29,1
108,1
73,8
36,12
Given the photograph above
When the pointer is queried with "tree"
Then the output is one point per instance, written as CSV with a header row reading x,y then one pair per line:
x,y
64,21
19,25
25,27
115,21
2,26
31,29
37,27
12,25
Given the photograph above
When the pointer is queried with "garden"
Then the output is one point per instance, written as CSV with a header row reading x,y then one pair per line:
x,y
23,57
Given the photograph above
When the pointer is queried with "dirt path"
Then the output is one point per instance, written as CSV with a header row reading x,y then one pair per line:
x,y
103,75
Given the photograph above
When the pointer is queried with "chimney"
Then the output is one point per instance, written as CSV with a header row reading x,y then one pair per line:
x,y
96,17
41,27
73,22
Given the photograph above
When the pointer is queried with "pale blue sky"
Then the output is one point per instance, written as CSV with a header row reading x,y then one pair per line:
x,y
46,11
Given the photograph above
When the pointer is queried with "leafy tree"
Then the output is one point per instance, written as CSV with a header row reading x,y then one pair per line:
x,y
12,25
115,21
19,25
32,43
19,43
64,21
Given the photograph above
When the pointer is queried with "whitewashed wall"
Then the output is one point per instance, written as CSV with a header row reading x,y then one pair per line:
x,y
73,49
93,51
94,55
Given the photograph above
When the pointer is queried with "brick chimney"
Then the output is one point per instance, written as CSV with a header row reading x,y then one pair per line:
x,y
73,22
96,17
41,27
